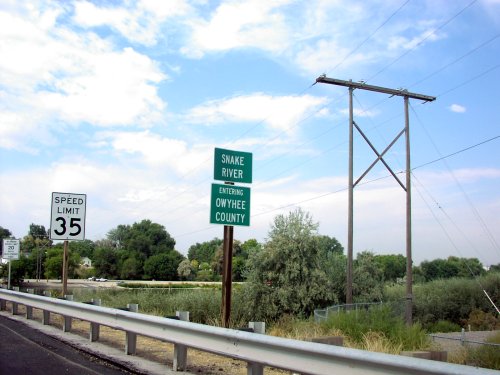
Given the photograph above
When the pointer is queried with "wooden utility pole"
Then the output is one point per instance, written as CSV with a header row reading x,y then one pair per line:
x,y
407,187
65,269
227,271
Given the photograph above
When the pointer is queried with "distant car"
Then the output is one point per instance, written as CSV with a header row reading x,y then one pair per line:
x,y
91,278
101,279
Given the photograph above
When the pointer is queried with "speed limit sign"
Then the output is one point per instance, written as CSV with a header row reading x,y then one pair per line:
x,y
67,219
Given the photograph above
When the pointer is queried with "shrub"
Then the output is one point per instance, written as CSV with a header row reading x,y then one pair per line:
x,y
481,321
443,326
451,299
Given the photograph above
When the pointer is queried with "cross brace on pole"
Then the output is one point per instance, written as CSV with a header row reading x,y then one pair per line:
x,y
406,95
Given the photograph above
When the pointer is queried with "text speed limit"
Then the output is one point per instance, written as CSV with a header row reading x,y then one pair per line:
x,y
67,219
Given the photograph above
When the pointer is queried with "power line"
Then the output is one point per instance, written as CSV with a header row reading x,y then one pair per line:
x,y
466,196
483,44
423,40
370,36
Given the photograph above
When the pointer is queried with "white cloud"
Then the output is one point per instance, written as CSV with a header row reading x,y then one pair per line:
x,y
457,108
240,24
279,112
110,88
51,75
140,23
158,151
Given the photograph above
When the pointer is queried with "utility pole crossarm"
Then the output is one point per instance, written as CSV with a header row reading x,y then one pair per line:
x,y
364,86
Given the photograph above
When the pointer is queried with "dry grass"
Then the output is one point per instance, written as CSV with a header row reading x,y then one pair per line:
x,y
152,349
378,342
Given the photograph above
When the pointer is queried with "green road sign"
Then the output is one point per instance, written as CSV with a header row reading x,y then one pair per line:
x,y
232,166
230,205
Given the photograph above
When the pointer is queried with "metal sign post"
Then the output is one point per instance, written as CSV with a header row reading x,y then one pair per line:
x,y
230,205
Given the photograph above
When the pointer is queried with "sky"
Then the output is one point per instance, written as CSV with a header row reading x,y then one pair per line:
x,y
125,101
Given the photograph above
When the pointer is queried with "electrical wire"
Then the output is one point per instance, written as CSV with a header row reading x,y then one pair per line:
x,y
423,40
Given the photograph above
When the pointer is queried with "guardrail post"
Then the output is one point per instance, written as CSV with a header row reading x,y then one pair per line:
x,y
131,337
67,319
462,337
256,368
94,327
14,304
46,314
180,351
29,309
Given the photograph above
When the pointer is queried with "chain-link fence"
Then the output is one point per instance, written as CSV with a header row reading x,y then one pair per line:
x,y
321,315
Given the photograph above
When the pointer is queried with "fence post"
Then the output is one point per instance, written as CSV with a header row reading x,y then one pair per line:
x,y
46,314
180,351
131,337
67,319
462,338
256,368
94,327
29,309
14,304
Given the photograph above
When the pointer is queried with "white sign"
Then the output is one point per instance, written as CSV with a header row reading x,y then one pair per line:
x,y
67,219
10,249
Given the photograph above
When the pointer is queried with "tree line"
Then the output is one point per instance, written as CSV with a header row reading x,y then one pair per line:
x,y
295,259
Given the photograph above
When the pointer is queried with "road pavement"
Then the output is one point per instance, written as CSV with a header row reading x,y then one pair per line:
x,y
24,350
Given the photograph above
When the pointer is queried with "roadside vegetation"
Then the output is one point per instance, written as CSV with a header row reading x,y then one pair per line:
x,y
282,282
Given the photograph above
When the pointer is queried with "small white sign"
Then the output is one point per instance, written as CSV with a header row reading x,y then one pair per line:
x,y
10,249
67,219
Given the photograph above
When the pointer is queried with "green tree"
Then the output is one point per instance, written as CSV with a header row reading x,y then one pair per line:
x,y
328,246
105,262
204,252
186,271
131,268
286,277
393,267
84,248
451,267
148,238
5,233
163,266
335,267
368,282
54,262
494,268
17,270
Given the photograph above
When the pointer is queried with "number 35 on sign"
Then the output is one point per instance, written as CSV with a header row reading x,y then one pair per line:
x,y
67,219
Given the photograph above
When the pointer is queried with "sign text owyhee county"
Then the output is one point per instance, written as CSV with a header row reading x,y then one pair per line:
x,y
230,205
67,219
232,166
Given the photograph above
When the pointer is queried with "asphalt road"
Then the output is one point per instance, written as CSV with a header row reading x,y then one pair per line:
x,y
27,351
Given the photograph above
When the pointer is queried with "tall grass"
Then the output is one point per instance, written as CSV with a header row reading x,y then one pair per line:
x,y
203,304
359,325
486,356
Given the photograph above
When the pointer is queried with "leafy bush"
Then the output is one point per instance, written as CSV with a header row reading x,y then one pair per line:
x,y
451,299
443,326
481,321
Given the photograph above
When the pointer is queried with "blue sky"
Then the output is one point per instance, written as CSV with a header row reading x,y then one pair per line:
x,y
125,102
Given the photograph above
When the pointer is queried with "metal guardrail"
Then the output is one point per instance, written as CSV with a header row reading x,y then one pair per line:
x,y
288,354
